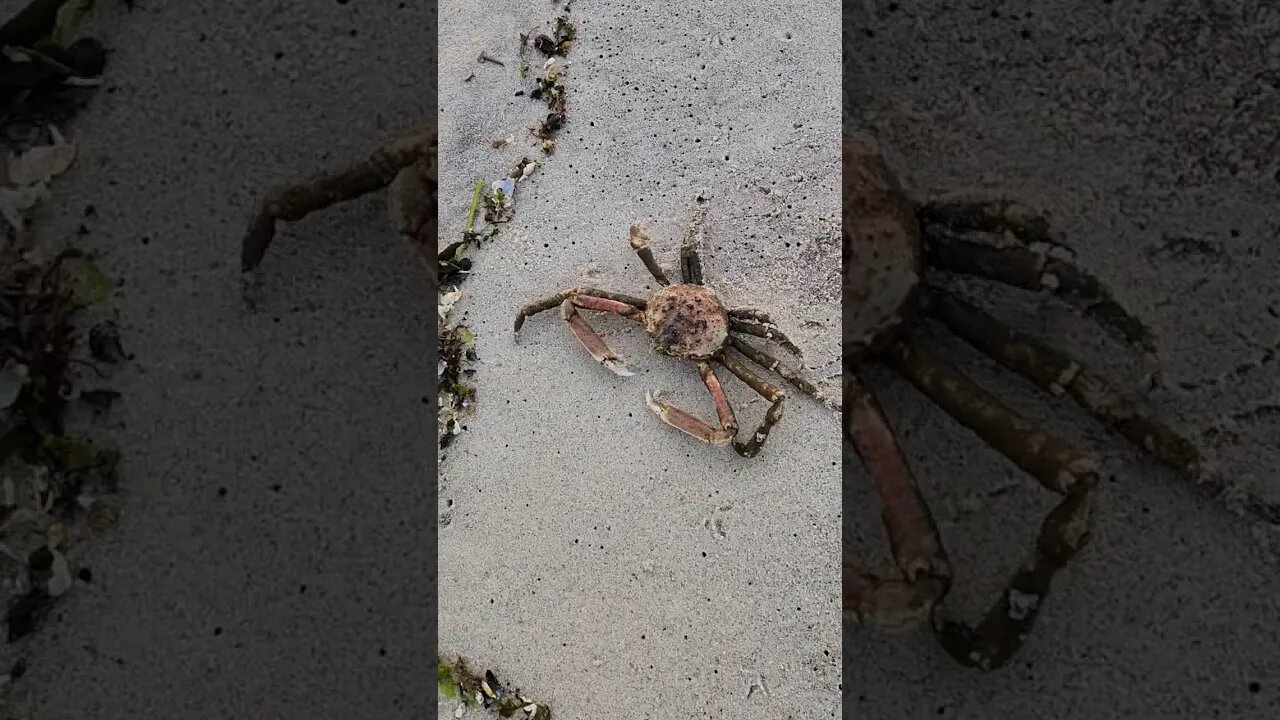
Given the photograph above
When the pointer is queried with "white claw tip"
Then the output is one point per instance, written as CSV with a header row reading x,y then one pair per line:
x,y
653,404
619,368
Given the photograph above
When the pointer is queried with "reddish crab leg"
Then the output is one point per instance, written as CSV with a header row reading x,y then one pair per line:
x,y
913,535
724,411
590,302
544,304
588,337
890,603
1053,462
684,422
290,204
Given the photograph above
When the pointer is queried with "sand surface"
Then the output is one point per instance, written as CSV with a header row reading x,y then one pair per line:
x,y
301,592
1146,130
601,560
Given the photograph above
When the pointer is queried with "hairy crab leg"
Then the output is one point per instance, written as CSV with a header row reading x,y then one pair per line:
x,y
690,263
988,215
752,314
640,243
769,362
775,396
684,422
1035,265
1057,465
293,203
556,300
1058,373
762,329
913,534
591,340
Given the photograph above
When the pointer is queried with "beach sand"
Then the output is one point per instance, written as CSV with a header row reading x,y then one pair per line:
x,y
1143,129
301,591
574,524
602,561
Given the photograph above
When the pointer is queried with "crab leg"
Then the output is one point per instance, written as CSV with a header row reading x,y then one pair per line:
x,y
1053,462
588,337
751,314
771,363
913,535
988,215
556,300
1033,266
762,329
684,422
771,417
690,263
1057,372
293,203
640,243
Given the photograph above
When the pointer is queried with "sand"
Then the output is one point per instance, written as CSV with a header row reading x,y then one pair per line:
x,y
599,559
302,591
1135,125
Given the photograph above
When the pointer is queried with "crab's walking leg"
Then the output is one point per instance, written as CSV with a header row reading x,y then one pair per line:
x,y
1032,266
988,215
690,263
769,362
752,314
556,300
771,416
683,421
1053,462
293,203
913,535
1058,373
588,337
757,323
640,243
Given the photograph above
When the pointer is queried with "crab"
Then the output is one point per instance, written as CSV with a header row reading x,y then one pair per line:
x,y
406,168
688,321
892,246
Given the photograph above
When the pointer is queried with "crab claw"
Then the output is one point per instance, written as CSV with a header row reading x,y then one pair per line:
x,y
617,366
652,403
594,344
686,423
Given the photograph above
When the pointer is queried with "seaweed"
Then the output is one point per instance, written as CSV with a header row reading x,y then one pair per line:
x,y
46,71
456,680
550,87
59,486
559,42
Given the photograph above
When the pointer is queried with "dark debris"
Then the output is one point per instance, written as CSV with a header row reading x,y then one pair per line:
x,y
457,681
59,486
42,81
